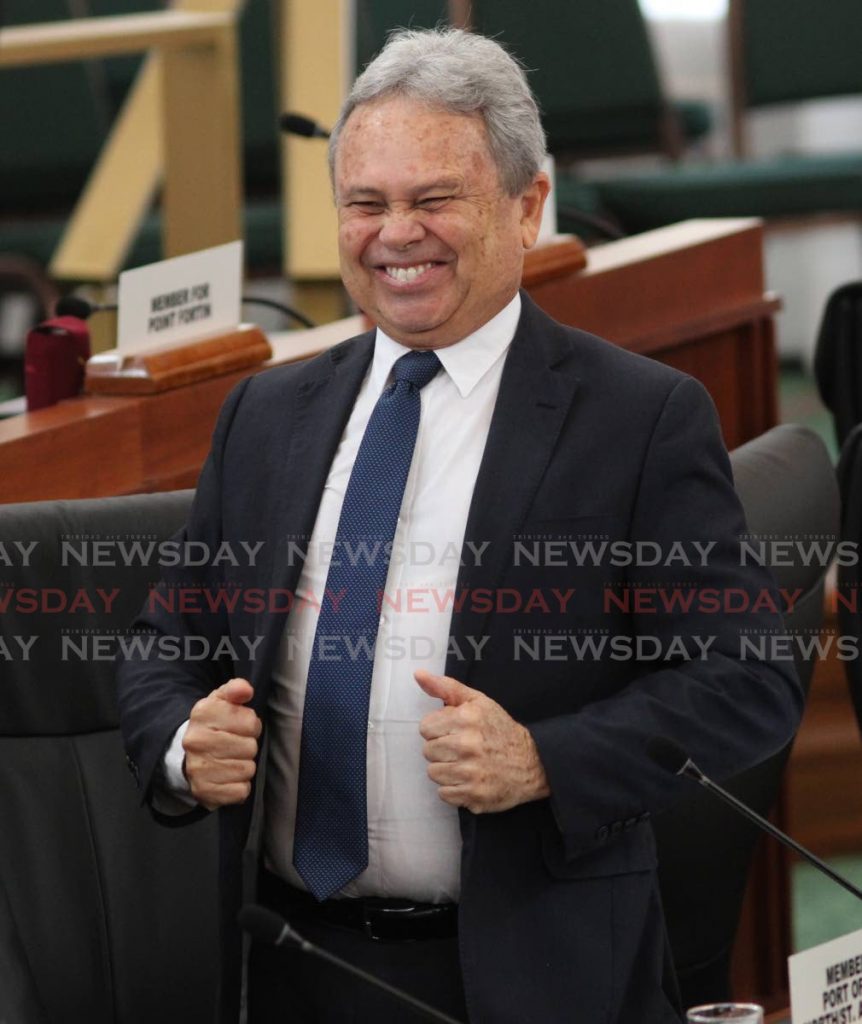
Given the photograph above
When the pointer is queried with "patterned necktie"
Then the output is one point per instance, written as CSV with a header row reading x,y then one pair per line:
x,y
330,842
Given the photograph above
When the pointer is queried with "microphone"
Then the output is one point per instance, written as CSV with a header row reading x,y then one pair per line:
x,y
670,756
298,124
73,305
266,926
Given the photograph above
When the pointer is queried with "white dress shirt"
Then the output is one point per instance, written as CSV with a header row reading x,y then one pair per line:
x,y
414,840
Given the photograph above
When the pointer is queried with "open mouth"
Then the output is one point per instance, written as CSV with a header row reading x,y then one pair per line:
x,y
408,274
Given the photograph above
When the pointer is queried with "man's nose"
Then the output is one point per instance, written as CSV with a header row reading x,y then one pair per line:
x,y
401,228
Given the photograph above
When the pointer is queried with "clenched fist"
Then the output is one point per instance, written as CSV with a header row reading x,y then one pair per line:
x,y
478,755
221,744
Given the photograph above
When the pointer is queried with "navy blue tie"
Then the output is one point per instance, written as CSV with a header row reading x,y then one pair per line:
x,y
330,841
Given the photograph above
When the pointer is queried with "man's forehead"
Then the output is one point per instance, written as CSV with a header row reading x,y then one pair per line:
x,y
400,112
434,145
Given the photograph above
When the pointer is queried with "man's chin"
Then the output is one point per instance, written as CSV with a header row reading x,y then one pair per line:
x,y
421,331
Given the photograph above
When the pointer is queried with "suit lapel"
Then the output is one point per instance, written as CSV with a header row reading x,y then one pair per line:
x,y
321,408
536,391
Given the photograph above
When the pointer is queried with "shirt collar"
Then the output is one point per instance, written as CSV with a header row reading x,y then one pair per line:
x,y
466,362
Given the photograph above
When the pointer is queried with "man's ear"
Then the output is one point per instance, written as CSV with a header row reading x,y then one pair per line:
x,y
532,203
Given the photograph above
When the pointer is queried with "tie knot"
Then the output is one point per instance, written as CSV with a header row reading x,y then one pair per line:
x,y
418,368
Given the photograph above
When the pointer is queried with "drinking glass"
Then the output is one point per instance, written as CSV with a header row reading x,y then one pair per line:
x,y
737,1013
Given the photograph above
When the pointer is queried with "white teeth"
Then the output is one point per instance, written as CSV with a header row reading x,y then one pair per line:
x,y
407,274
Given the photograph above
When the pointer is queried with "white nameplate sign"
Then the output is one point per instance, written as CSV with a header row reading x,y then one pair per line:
x,y
180,299
826,982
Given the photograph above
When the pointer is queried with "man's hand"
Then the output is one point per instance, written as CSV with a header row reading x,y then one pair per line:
x,y
221,745
480,757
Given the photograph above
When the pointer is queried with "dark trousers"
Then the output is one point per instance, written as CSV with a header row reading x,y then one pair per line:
x,y
287,986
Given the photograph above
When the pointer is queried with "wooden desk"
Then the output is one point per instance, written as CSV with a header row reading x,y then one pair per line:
x,y
690,295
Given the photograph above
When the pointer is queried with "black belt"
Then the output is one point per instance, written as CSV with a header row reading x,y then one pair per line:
x,y
380,919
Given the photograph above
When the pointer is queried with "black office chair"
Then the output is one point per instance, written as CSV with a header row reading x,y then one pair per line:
x,y
109,917
838,358
850,576
788,489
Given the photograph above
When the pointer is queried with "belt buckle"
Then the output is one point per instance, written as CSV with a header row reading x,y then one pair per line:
x,y
372,915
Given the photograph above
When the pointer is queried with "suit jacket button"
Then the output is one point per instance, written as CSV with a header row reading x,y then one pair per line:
x,y
616,828
602,833
630,822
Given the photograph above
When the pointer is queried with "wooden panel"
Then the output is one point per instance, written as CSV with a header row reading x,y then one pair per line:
x,y
78,449
637,289
316,73
824,792
178,453
55,41
203,181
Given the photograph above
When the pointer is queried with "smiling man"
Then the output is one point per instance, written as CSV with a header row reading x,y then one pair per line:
x,y
431,801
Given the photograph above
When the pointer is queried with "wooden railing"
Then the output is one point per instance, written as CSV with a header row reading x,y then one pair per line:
x,y
179,128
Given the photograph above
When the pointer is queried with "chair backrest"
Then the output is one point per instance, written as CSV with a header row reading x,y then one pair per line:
x,y
592,67
113,916
590,64
375,19
849,591
838,358
787,486
51,125
786,51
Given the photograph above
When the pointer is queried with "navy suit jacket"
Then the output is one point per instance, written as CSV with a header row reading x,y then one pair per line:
x,y
560,918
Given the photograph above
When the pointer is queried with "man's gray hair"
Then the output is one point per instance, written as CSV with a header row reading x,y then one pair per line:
x,y
462,73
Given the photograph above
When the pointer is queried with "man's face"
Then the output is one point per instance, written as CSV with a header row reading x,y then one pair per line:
x,y
431,245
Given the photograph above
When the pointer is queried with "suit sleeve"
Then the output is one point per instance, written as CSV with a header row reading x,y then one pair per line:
x,y
157,689
727,708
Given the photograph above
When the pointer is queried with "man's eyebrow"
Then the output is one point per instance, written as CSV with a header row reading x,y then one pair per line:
x,y
360,190
444,185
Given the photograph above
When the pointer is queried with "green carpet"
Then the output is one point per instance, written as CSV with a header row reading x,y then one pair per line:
x,y
823,910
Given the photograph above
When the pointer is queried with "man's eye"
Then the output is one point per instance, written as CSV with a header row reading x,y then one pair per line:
x,y
367,205
433,202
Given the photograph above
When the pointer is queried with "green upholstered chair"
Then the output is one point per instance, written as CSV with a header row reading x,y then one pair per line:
x,y
783,51
592,67
790,51
778,188
375,19
52,123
